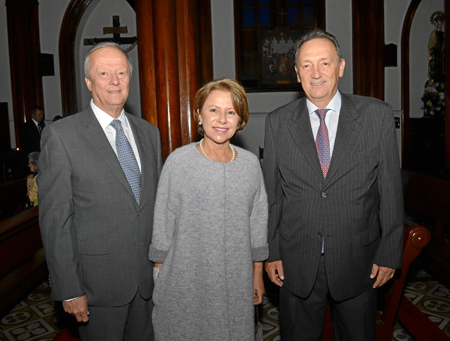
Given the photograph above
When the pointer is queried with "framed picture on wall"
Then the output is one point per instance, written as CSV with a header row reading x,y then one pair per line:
x,y
266,32
277,53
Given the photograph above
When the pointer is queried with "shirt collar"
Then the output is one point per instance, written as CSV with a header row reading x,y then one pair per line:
x,y
104,119
334,105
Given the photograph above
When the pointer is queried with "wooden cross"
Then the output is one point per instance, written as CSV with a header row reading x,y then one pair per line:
x,y
116,31
282,14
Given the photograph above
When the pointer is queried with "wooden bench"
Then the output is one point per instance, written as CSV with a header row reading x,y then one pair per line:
x,y
22,265
396,306
430,197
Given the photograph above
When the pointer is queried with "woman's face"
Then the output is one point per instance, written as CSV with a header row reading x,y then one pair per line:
x,y
218,117
30,165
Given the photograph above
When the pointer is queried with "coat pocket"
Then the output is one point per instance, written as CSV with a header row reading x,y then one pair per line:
x,y
93,247
370,235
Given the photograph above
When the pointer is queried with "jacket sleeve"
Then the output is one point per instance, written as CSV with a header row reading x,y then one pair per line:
x,y
272,182
389,253
56,217
258,222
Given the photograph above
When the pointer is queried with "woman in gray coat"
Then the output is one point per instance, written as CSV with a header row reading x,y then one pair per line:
x,y
210,228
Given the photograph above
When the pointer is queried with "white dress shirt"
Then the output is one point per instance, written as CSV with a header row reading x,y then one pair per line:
x,y
331,119
105,122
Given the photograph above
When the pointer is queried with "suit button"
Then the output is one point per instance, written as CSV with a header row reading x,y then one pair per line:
x,y
324,195
319,235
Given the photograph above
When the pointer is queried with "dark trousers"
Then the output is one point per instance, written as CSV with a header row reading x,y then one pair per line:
x,y
131,322
302,319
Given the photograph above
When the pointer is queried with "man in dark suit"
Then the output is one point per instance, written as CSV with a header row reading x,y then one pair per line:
x,y
99,170
332,176
30,137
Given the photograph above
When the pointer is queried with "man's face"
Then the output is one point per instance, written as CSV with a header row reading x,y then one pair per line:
x,y
318,69
39,116
109,79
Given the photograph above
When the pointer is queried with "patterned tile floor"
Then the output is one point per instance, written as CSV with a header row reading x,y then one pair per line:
x,y
35,318
32,319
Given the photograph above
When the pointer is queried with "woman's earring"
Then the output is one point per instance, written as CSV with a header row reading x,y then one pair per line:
x,y
199,124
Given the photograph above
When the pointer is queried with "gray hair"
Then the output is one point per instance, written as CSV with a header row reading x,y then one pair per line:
x,y
34,160
318,33
99,46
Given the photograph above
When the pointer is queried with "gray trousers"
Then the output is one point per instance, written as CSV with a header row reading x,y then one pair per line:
x,y
131,322
302,319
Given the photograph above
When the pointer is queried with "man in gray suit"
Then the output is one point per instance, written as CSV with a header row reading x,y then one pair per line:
x,y
332,176
99,170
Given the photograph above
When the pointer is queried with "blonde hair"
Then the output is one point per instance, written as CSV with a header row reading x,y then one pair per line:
x,y
238,96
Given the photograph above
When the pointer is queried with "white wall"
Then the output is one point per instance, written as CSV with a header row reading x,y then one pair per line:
x,y
98,15
338,22
5,75
421,29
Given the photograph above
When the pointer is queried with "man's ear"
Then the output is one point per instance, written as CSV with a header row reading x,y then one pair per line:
x,y
341,67
88,83
298,76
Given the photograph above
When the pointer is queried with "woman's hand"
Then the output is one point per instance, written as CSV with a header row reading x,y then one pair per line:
x,y
258,283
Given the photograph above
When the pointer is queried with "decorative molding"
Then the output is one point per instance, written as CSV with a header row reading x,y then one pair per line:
x,y
67,35
406,132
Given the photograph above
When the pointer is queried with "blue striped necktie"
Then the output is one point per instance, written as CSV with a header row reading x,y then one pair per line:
x,y
128,160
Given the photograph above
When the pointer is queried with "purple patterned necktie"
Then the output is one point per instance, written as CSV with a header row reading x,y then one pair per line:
x,y
322,142
323,148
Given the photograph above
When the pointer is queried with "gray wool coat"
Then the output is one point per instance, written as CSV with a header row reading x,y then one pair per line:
x,y
210,226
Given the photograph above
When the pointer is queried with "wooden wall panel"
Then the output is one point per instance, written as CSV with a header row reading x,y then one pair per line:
x,y
175,58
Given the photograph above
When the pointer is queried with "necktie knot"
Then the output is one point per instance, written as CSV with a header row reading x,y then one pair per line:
x,y
321,113
116,124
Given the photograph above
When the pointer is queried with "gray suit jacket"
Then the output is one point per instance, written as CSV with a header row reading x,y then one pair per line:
x,y
357,209
96,238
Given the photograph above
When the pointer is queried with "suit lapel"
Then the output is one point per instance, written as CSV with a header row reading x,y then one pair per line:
x,y
303,136
95,134
347,132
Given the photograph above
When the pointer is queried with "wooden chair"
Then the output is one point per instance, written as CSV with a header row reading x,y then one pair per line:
x,y
416,238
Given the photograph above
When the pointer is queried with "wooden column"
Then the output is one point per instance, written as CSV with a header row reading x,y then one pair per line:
x,y
170,66
368,46
24,49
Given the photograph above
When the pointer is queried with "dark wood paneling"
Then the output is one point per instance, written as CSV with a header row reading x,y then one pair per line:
x,y
368,46
5,142
23,262
204,41
447,93
24,49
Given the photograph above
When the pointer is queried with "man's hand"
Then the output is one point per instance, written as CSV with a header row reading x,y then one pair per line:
x,y
382,274
275,272
78,308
